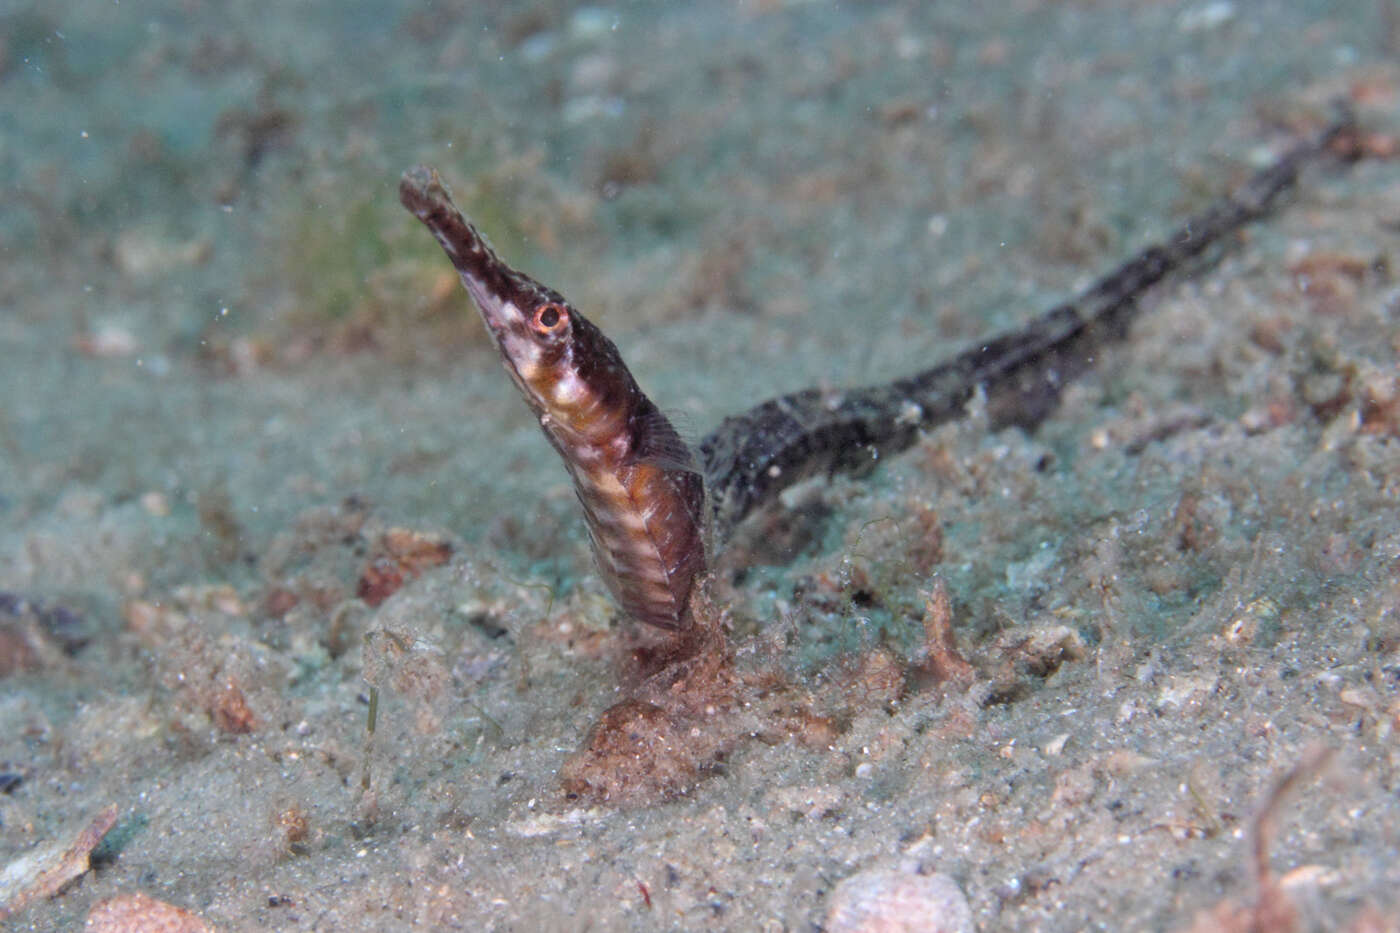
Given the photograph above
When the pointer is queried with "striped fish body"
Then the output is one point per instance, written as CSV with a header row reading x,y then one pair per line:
x,y
643,514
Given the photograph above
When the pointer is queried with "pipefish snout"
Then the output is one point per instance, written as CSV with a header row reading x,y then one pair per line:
x,y
642,495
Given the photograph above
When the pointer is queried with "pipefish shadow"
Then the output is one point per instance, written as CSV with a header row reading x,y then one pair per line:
x,y
644,494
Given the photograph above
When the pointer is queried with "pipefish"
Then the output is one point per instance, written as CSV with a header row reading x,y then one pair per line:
x,y
642,491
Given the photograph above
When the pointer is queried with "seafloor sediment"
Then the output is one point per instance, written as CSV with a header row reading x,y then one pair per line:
x,y
258,463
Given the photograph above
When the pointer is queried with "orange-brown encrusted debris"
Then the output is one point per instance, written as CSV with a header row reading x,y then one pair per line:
x,y
637,750
292,827
695,705
23,647
230,711
678,723
1332,281
140,913
400,555
941,661
1379,398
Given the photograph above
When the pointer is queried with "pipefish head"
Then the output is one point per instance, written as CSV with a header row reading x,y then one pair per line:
x,y
563,365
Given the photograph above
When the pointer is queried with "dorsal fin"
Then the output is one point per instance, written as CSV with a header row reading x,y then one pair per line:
x,y
656,441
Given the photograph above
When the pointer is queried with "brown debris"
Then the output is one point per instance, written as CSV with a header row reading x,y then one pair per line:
x,y
712,277
810,729
694,705
1269,333
1195,528
254,133
278,601
902,111
24,647
1380,403
1023,653
215,677
105,342
380,579
677,724
636,748
941,660
230,710
1339,264
1332,281
35,636
292,827
139,913
879,679
400,555
44,871
1370,145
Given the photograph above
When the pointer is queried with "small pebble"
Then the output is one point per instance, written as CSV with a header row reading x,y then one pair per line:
x,y
155,503
888,901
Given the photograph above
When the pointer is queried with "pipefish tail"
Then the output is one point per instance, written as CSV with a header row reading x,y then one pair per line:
x,y
642,493
753,456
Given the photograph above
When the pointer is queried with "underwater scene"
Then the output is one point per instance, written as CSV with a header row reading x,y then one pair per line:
x,y
968,495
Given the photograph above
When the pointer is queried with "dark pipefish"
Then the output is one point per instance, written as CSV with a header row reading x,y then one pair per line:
x,y
642,493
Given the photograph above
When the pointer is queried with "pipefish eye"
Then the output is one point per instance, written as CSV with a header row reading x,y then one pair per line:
x,y
550,319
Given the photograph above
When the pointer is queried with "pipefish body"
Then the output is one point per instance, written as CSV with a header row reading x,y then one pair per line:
x,y
643,495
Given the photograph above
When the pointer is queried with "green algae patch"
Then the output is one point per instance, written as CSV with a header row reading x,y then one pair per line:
x,y
361,276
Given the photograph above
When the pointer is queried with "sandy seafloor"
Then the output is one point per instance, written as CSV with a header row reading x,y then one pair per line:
x,y
228,366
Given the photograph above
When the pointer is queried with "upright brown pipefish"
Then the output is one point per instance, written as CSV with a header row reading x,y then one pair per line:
x,y
643,494
642,497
